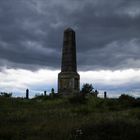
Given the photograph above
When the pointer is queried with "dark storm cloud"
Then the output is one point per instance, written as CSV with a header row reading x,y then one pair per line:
x,y
108,33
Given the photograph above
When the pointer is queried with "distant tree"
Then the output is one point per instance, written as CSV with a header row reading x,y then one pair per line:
x,y
128,101
87,89
125,97
4,94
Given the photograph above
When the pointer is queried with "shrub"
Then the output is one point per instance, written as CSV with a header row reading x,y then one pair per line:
x,y
126,97
46,97
87,88
4,94
127,101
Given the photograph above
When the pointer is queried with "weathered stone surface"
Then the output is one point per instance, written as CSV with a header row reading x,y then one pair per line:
x,y
68,78
69,52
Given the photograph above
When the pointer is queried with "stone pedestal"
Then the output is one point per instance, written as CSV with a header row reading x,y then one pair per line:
x,y
68,83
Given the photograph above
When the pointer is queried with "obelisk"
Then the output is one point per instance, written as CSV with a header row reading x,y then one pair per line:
x,y
68,78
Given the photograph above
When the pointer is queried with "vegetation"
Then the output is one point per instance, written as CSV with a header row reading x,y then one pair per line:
x,y
5,94
74,118
87,88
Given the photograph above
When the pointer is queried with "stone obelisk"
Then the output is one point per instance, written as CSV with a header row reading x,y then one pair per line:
x,y
68,78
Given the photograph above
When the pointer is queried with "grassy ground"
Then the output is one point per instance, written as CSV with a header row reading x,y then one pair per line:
x,y
69,119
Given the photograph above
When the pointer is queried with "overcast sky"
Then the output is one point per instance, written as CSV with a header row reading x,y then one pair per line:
x,y
108,43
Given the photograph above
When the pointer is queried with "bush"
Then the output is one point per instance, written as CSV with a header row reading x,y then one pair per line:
x,y
129,101
46,97
4,94
87,88
125,97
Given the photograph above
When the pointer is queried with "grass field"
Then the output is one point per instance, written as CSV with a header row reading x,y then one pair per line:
x,y
69,119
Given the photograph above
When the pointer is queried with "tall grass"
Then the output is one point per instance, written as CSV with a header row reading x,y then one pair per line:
x,y
69,119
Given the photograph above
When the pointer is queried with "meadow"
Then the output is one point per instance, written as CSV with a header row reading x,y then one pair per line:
x,y
73,118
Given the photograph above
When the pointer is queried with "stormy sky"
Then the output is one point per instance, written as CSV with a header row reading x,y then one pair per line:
x,y
108,43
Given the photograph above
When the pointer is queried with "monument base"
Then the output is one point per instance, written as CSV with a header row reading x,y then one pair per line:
x,y
68,83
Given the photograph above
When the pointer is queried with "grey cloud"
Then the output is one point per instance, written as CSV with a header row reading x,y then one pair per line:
x,y
31,33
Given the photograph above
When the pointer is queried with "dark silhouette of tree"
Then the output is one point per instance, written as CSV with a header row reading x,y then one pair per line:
x,y
125,97
87,89
4,94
